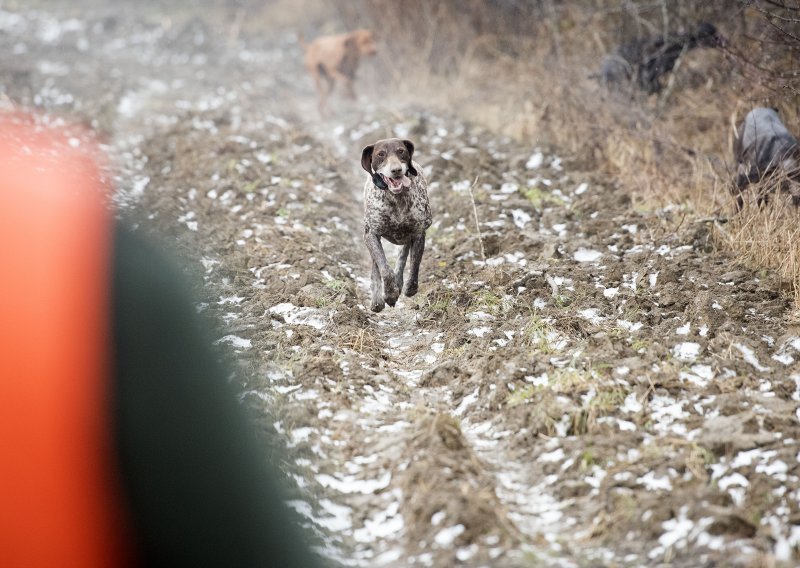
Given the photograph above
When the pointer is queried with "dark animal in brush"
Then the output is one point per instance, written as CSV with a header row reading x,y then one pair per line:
x,y
645,61
763,147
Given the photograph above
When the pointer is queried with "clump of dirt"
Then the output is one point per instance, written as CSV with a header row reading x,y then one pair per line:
x,y
452,500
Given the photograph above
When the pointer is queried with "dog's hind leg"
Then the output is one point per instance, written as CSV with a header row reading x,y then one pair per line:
x,y
401,266
346,81
417,248
324,84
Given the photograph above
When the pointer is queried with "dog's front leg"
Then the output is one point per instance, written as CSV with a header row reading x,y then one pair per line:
x,y
417,248
376,301
383,272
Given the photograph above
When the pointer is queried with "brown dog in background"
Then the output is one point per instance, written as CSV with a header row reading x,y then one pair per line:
x,y
335,58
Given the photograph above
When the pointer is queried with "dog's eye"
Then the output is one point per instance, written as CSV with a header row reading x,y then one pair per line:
x,y
401,151
381,154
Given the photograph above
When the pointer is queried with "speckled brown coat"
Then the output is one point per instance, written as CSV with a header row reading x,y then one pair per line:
x,y
400,217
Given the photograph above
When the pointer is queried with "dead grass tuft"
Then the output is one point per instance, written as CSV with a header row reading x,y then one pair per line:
x,y
766,237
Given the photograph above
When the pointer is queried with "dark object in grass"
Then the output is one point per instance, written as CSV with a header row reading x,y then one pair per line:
x,y
645,61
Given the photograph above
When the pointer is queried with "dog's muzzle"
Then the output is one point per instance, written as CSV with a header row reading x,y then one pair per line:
x,y
396,184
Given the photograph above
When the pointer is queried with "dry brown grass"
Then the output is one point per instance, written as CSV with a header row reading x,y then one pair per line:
x,y
767,237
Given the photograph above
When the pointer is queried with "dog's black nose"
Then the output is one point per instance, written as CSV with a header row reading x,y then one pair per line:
x,y
396,172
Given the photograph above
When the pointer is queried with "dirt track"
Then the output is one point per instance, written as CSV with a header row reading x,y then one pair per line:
x,y
580,384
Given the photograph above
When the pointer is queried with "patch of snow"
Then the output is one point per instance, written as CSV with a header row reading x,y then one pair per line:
x,y
630,326
665,411
350,484
138,185
295,315
461,186
775,468
521,218
686,351
535,161
587,255
676,532
731,480
445,537
479,331
384,524
550,457
592,315
480,316
700,375
300,435
631,404
751,358
466,553
466,402
595,479
653,483
235,341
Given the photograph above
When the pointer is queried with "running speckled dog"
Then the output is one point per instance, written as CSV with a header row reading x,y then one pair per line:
x,y
395,208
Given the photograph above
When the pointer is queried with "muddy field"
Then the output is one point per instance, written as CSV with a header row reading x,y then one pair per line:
x,y
577,382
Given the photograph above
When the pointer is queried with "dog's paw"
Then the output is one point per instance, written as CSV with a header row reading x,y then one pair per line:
x,y
377,304
390,292
411,289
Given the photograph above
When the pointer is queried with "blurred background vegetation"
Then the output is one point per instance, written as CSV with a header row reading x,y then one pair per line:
x,y
528,69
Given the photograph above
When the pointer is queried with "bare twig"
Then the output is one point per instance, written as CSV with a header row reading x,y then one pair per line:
x,y
662,101
477,224
714,219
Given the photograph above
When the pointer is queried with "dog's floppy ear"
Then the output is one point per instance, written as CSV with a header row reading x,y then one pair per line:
x,y
410,147
366,163
366,158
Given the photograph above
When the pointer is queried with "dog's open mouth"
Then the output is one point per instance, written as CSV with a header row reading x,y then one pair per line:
x,y
396,185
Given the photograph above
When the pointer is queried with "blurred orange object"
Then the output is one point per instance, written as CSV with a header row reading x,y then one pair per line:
x,y
59,502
